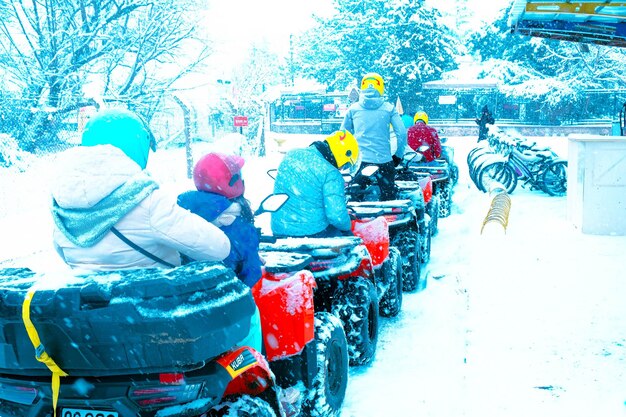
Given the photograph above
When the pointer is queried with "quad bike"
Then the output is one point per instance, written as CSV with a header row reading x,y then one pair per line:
x,y
154,342
307,350
447,153
409,224
408,181
357,278
442,180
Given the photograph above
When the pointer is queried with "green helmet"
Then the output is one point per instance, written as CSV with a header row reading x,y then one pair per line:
x,y
122,129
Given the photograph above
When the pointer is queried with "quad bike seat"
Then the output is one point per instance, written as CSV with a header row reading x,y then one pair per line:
x,y
277,262
121,322
381,207
318,248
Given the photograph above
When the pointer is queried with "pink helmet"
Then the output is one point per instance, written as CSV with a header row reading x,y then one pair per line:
x,y
220,174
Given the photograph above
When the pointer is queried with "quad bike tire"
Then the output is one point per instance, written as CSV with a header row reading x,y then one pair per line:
x,y
444,192
408,242
119,322
331,379
454,174
356,305
432,209
426,242
391,302
244,406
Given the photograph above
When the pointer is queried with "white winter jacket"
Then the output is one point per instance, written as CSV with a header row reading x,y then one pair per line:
x,y
157,224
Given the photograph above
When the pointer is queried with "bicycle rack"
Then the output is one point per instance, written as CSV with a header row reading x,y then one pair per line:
x,y
499,209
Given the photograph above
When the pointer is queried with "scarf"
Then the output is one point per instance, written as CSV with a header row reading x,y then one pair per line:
x,y
85,227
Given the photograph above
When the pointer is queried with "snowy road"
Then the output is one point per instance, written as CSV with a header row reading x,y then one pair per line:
x,y
527,323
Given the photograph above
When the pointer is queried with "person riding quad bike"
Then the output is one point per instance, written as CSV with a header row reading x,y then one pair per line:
x,y
312,179
425,140
350,283
145,334
219,199
421,134
369,121
109,214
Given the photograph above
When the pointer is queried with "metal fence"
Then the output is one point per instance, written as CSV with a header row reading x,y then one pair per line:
x,y
588,107
41,130
322,113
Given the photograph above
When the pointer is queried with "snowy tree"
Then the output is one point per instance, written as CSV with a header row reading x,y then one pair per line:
x,y
557,74
262,70
127,50
402,40
421,50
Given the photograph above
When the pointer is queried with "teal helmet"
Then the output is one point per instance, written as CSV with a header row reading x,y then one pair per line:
x,y
122,129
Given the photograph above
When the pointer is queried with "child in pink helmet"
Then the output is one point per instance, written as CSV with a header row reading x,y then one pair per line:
x,y
219,200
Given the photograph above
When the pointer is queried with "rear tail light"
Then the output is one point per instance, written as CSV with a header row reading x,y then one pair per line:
x,y
18,394
150,396
391,218
323,265
172,379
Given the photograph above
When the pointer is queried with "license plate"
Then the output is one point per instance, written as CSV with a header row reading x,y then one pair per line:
x,y
72,412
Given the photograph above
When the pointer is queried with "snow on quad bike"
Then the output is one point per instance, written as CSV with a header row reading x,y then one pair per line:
x,y
307,350
158,342
409,225
132,343
164,343
447,153
408,181
351,281
440,172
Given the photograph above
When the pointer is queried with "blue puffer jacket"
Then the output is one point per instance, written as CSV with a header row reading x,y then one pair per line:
x,y
368,120
316,192
244,239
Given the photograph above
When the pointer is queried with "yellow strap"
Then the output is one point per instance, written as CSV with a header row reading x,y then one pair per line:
x,y
40,352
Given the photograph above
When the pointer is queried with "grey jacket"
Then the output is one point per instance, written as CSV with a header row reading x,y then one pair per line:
x,y
368,120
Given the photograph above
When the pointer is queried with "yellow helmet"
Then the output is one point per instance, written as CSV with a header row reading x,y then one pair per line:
x,y
373,80
420,115
344,148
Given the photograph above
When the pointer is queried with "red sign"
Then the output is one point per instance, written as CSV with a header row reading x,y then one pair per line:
x,y
330,107
241,121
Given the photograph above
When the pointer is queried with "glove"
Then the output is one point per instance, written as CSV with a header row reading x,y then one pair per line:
x,y
396,160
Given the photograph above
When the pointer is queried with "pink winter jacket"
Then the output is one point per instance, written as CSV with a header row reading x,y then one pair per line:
x,y
157,224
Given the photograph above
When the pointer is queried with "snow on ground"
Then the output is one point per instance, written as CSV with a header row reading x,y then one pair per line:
x,y
524,323
527,322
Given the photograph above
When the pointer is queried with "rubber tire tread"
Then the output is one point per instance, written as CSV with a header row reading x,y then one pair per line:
x,y
328,332
444,192
509,179
433,211
244,406
391,302
406,241
356,305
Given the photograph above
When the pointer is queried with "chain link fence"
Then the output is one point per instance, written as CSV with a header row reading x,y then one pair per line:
x,y
26,130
